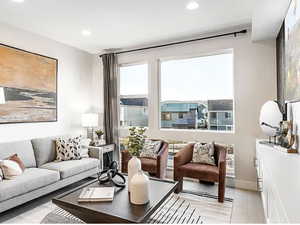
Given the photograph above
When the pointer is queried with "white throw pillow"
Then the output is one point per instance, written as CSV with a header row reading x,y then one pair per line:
x,y
204,153
10,169
84,147
150,149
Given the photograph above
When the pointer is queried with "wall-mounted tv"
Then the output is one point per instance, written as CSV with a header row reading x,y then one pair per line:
x,y
292,52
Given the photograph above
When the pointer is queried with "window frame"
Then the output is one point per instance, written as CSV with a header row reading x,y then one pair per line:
x,y
160,60
135,63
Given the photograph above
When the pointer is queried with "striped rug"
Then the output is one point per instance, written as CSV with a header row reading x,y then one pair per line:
x,y
176,210
183,208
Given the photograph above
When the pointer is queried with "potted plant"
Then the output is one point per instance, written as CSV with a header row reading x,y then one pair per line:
x,y
136,142
99,133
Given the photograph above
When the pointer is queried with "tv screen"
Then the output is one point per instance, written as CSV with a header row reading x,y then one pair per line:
x,y
292,52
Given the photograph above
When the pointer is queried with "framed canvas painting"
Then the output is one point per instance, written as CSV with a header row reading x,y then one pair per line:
x,y
292,52
28,86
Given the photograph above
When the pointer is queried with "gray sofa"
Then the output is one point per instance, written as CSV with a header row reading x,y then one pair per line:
x,y
42,175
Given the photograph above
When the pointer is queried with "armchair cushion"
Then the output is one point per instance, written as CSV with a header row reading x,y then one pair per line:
x,y
204,153
199,171
151,149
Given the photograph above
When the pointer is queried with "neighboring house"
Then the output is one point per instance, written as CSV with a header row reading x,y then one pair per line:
x,y
182,115
134,111
211,114
220,114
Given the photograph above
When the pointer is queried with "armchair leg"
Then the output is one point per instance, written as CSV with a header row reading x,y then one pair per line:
x,y
221,190
152,174
180,185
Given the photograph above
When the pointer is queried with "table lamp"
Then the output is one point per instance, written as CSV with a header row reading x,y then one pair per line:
x,y
90,121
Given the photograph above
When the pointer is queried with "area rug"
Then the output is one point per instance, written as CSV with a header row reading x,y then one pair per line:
x,y
183,208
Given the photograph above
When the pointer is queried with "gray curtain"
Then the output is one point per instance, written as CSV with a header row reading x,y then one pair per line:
x,y
111,114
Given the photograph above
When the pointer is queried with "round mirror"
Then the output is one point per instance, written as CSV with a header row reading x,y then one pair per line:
x,y
270,118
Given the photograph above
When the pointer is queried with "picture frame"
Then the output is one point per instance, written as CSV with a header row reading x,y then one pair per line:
x,y
28,86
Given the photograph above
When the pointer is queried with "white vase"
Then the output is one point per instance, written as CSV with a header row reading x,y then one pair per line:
x,y
139,194
134,165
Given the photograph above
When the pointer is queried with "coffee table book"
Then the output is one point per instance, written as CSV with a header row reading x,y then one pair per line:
x,y
97,194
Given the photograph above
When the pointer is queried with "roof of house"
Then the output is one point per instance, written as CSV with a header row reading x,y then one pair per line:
x,y
178,107
134,101
220,105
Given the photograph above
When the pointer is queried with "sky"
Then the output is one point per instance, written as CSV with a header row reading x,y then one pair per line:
x,y
201,78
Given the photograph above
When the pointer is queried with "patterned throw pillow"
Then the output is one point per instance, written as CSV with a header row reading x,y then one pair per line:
x,y
68,148
204,153
150,149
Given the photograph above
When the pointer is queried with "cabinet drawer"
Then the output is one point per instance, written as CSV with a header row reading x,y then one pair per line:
x,y
108,148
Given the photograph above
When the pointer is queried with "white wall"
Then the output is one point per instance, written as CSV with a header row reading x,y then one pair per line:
x,y
74,85
254,84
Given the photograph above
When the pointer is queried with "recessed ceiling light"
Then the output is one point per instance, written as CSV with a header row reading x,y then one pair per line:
x,y
192,5
86,33
19,1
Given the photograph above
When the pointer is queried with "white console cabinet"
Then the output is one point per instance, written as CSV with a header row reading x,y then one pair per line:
x,y
278,179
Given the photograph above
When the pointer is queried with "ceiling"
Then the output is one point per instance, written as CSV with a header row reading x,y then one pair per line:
x,y
123,23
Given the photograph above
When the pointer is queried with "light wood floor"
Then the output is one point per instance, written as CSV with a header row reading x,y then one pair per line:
x,y
247,205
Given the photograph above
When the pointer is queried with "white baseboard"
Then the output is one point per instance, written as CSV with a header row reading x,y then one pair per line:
x,y
246,185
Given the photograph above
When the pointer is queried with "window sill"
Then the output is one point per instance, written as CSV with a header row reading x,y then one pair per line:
x,y
196,131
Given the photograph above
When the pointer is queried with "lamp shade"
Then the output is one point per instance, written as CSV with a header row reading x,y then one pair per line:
x,y
89,120
2,96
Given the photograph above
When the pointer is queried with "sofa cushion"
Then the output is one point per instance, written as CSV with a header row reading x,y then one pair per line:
x,y
31,179
204,153
199,171
10,169
151,149
17,159
71,167
44,150
22,148
68,148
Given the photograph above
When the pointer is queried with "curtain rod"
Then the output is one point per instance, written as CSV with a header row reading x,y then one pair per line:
x,y
182,42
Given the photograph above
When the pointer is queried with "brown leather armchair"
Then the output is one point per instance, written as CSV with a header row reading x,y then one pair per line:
x,y
183,167
155,167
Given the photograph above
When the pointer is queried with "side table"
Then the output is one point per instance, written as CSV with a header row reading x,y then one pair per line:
x,y
99,151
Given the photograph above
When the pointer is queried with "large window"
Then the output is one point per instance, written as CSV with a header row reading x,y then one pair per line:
x,y
134,95
197,93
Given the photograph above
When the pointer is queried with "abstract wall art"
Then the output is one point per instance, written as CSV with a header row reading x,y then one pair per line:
x,y
292,52
28,86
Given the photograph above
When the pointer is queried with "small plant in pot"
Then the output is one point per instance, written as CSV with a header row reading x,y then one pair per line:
x,y
99,133
136,142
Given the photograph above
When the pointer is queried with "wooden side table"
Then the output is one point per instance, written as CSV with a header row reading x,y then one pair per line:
x,y
100,151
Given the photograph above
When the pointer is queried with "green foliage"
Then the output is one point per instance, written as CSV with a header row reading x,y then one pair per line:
x,y
99,133
136,140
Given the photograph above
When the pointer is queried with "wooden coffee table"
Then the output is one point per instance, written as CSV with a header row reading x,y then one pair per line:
x,y
120,210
